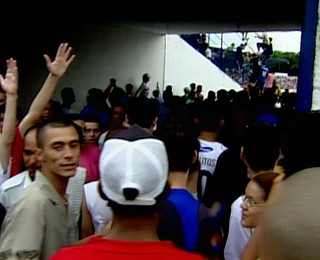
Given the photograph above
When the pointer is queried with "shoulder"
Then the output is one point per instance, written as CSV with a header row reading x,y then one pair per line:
x,y
31,202
91,188
14,181
220,146
91,185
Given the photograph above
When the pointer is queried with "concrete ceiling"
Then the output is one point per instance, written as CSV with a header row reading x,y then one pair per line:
x,y
215,16
42,25
166,17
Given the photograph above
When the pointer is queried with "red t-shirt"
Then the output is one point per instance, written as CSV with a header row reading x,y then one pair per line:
x,y
17,153
100,248
89,159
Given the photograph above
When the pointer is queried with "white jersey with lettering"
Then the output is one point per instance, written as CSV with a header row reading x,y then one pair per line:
x,y
208,156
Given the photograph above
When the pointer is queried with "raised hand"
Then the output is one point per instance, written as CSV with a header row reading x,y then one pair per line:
x,y
10,82
62,61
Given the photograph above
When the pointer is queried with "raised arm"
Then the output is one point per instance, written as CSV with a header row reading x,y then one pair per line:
x,y
57,69
9,84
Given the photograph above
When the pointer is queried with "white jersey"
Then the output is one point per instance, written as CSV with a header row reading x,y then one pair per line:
x,y
100,212
209,154
5,175
11,189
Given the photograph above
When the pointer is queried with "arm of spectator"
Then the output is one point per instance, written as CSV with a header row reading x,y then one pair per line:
x,y
86,221
57,69
9,84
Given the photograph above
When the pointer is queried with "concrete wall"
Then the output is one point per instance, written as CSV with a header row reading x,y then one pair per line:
x,y
121,52
183,65
114,52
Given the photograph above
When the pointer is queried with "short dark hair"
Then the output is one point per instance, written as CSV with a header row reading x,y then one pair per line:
x,y
142,111
261,144
66,93
181,143
41,135
209,116
301,139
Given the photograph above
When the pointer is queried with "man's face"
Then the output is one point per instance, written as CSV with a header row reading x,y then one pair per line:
x,y
29,152
91,132
61,151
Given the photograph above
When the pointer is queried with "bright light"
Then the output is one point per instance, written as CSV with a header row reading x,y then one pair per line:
x,y
281,41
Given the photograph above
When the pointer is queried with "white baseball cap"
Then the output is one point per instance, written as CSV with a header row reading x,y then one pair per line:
x,y
133,160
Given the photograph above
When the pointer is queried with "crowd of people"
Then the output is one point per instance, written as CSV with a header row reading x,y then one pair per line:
x,y
245,67
144,175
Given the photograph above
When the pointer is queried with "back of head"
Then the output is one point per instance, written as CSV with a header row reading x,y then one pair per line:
x,y
67,93
129,88
291,223
193,86
94,95
222,95
113,81
142,111
145,77
209,116
181,144
169,88
156,93
261,145
301,140
133,170
186,90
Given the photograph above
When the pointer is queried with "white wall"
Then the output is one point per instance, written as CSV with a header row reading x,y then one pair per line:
x,y
113,52
185,65
125,53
